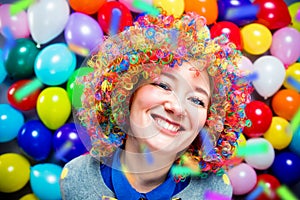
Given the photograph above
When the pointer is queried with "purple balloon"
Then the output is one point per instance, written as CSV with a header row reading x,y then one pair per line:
x,y
240,12
285,45
82,33
67,143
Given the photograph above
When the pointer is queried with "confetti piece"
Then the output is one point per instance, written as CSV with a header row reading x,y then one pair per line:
x,y
115,21
177,170
242,12
75,48
139,4
295,122
210,195
63,150
284,193
206,142
9,42
28,89
126,174
252,149
298,15
255,193
20,6
293,82
250,77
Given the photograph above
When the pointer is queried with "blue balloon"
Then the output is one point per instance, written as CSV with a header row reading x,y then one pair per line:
x,y
35,139
286,167
11,120
55,64
67,143
3,72
294,146
44,181
240,12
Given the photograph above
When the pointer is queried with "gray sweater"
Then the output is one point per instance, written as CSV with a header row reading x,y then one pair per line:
x,y
81,180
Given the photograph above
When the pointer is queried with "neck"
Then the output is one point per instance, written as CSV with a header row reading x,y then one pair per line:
x,y
145,170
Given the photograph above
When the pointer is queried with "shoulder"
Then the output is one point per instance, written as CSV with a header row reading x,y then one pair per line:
x,y
199,186
81,179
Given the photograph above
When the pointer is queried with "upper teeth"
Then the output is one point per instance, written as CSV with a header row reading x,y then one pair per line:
x,y
167,125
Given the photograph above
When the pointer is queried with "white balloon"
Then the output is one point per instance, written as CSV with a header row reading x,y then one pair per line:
x,y
47,19
262,160
271,74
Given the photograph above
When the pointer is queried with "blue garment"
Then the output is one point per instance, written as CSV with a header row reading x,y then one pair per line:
x,y
115,180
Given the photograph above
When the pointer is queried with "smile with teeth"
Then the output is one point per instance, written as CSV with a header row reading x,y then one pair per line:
x,y
167,125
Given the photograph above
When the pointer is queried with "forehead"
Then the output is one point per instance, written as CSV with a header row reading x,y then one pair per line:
x,y
189,74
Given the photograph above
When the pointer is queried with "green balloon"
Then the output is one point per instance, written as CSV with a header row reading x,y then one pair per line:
x,y
19,63
75,90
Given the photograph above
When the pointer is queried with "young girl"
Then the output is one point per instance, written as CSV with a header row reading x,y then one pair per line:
x,y
162,111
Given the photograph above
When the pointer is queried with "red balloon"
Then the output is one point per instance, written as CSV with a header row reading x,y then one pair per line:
x,y
274,14
272,183
231,30
260,116
105,15
28,102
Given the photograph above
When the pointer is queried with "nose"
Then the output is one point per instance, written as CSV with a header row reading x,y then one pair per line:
x,y
173,106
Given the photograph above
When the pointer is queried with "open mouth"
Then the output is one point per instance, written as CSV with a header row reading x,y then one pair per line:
x,y
166,125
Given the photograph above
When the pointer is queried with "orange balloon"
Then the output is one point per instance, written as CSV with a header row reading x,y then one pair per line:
x,y
206,8
86,6
286,103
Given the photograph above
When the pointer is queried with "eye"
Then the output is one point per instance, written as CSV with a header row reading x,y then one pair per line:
x,y
197,101
162,85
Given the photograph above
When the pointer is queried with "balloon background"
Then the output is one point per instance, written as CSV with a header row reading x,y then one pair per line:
x,y
38,136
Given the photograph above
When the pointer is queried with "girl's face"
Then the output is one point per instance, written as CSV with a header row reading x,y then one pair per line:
x,y
167,114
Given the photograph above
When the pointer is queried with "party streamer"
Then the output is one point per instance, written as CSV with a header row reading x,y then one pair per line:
x,y
20,6
145,7
28,89
115,21
284,193
293,82
210,195
9,42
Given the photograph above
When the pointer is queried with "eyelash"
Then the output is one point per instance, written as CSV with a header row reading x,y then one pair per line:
x,y
194,100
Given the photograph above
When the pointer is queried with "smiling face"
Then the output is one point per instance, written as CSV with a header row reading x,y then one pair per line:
x,y
167,114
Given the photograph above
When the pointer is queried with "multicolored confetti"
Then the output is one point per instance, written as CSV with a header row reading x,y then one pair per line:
x,y
115,21
147,153
252,149
10,41
27,89
210,195
177,170
284,193
20,6
139,4
290,80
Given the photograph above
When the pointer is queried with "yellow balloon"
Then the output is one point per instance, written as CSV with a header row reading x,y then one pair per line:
x,y
172,7
294,72
53,107
14,172
279,134
257,38
293,9
29,196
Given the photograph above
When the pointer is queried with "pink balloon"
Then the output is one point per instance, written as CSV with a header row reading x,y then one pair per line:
x,y
285,45
18,24
243,178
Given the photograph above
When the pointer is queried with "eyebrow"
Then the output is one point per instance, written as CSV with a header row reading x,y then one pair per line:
x,y
198,89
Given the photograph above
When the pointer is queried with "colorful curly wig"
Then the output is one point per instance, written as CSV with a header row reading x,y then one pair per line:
x,y
139,54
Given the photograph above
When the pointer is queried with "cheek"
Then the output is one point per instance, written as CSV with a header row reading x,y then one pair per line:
x,y
147,97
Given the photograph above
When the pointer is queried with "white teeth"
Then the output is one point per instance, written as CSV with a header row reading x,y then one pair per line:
x,y
167,125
